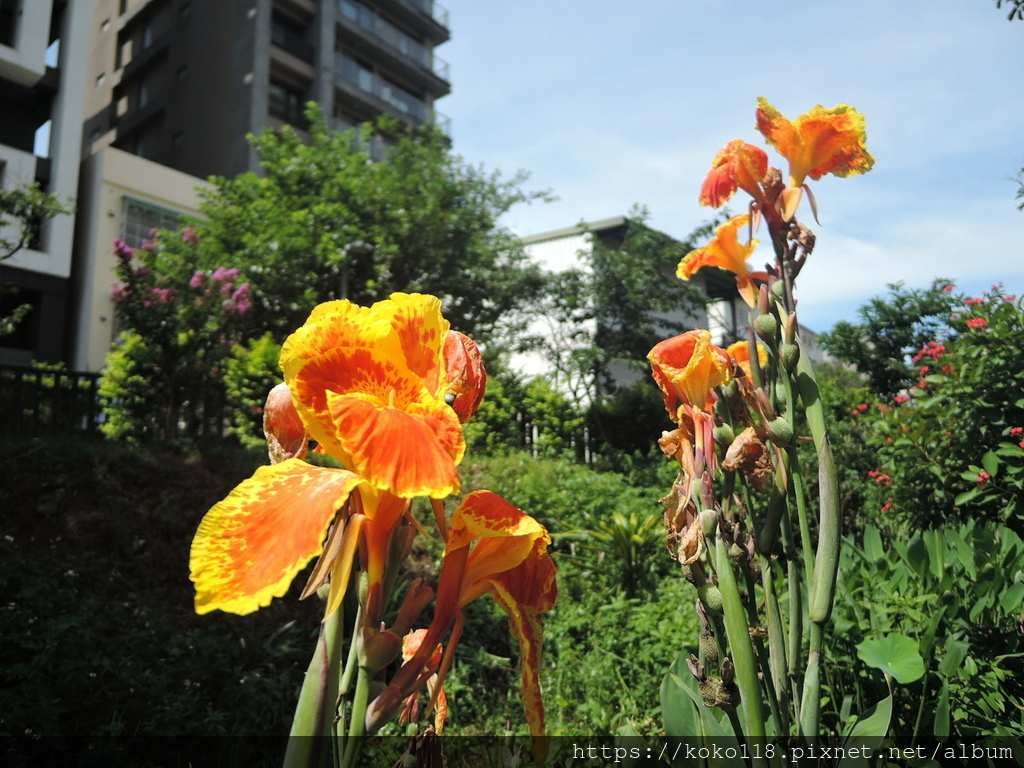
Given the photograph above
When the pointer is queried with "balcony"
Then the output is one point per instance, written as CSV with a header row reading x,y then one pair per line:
x,y
386,96
291,41
392,37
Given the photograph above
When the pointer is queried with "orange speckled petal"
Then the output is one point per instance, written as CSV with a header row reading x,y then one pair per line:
x,y
485,514
409,452
527,628
250,545
723,251
819,142
421,331
738,165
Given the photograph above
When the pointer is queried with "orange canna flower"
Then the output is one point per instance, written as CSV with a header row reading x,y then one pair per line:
x,y
493,548
740,352
819,142
738,165
467,378
725,251
368,384
687,367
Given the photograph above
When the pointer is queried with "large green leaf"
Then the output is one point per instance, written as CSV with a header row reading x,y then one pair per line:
x,y
940,726
867,731
895,654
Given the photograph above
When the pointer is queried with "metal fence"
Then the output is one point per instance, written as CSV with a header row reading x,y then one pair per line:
x,y
38,401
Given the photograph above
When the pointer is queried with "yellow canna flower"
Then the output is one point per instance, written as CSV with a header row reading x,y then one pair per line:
x,y
738,165
819,142
725,251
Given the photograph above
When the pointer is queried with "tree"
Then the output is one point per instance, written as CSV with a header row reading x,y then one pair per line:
x,y
892,329
1016,9
614,308
325,221
22,212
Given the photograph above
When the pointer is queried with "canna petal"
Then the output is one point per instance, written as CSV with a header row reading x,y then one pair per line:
x,y
249,546
525,623
422,332
505,537
819,142
740,352
367,383
410,451
286,435
687,367
724,251
738,165
467,378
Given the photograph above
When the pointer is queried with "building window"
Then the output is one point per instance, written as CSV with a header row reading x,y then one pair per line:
x,y
9,11
286,104
139,219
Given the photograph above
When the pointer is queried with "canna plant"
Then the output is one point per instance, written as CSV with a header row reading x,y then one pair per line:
x,y
384,392
740,515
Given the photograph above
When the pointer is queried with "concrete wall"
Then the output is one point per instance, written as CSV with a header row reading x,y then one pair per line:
x,y
108,178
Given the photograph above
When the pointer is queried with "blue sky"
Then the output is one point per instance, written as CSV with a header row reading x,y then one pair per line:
x,y
610,104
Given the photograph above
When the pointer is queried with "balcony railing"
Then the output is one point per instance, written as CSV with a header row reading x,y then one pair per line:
x,y
436,11
368,81
291,41
393,37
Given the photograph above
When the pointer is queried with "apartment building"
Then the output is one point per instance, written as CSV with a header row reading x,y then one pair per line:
x,y
182,82
43,44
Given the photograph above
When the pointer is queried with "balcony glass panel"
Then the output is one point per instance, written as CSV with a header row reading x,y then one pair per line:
x,y
388,33
391,94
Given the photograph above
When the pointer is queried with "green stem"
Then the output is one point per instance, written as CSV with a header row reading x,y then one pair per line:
x,y
357,724
810,708
314,711
740,647
776,644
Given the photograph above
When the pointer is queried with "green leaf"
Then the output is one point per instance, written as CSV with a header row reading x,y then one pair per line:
x,y
966,496
940,726
1012,598
868,730
895,654
956,651
990,461
873,544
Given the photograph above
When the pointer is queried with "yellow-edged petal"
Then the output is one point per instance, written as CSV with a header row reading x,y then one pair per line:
x,y
249,546
740,352
723,251
819,142
687,367
422,332
738,165
526,625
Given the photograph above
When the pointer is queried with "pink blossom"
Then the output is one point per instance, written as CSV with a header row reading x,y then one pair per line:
x,y
189,236
239,303
197,279
164,295
153,232
901,399
1015,431
974,301
118,291
983,477
224,274
123,250
948,288
977,322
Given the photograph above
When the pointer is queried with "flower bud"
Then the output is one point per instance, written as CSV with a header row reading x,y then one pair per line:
x,y
711,596
467,379
780,432
779,289
789,332
286,435
789,354
767,328
723,435
708,519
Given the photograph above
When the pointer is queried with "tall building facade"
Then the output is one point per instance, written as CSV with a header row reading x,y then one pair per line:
x,y
43,47
182,82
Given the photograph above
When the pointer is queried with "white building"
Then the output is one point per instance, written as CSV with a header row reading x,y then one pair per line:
x,y
43,44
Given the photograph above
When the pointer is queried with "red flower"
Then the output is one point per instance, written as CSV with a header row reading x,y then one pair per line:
x,y
977,322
